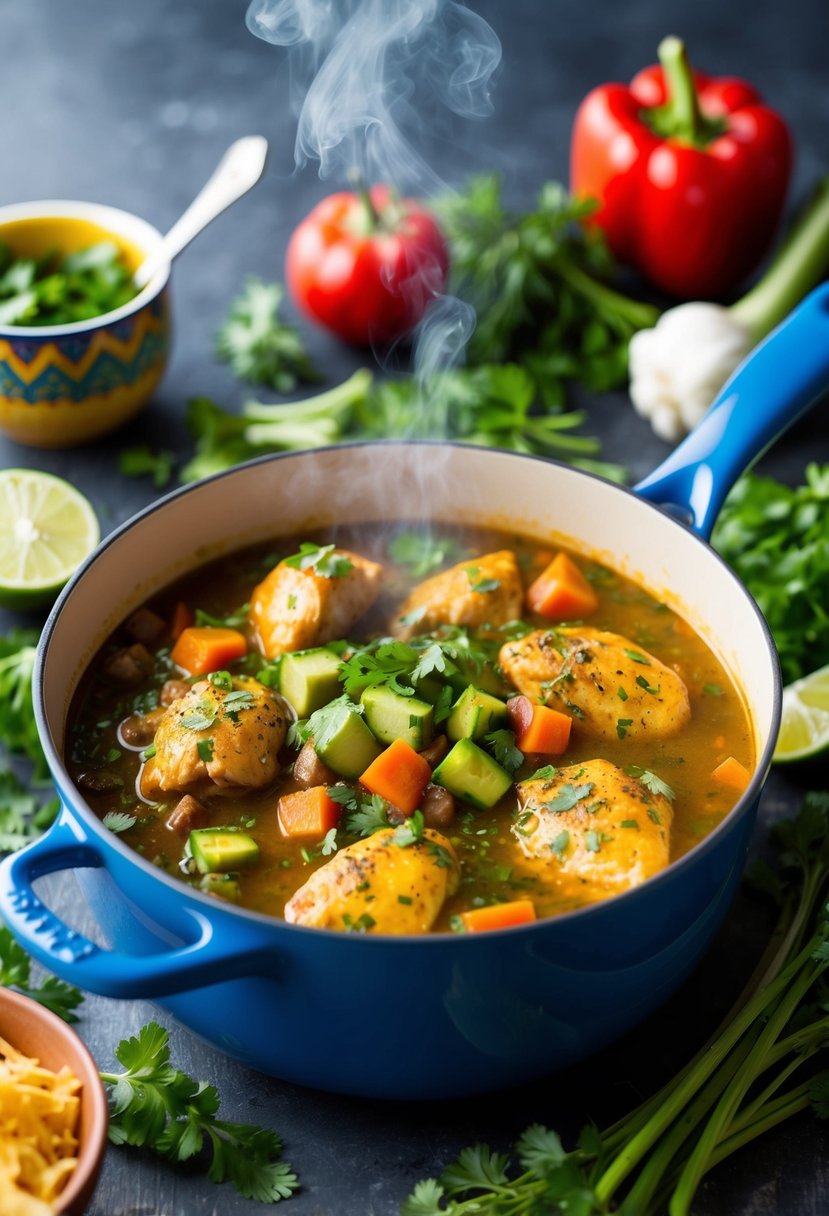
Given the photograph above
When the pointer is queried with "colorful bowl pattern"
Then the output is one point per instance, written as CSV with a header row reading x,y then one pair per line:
x,y
66,385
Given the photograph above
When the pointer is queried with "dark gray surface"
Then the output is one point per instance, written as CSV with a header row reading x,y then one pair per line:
x,y
132,105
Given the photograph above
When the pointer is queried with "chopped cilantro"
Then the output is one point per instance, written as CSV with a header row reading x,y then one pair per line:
x,y
560,843
322,559
545,773
422,553
653,814
410,831
592,841
404,899
148,752
222,680
713,690
202,717
643,683
638,657
234,620
622,725
329,843
621,694
481,584
502,745
205,750
650,780
291,603
568,796
119,821
630,823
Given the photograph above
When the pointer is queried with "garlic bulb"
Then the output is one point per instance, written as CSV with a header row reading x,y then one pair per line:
x,y
678,367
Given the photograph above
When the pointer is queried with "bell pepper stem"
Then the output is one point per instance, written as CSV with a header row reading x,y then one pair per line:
x,y
682,106
800,263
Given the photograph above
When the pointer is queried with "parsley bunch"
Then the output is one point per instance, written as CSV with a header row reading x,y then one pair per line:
x,y
154,1105
757,1070
776,539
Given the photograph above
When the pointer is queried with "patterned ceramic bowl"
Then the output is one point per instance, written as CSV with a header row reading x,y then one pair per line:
x,y
66,384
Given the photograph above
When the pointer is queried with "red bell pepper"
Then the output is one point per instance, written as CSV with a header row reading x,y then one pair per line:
x,y
690,173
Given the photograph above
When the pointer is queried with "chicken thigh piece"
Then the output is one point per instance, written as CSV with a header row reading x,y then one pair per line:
x,y
378,886
215,739
601,679
594,830
292,609
486,590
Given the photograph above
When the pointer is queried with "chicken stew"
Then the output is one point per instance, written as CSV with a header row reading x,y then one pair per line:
x,y
409,731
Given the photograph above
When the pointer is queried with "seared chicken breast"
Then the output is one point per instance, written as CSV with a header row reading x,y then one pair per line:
x,y
240,731
378,886
594,830
486,590
292,609
601,679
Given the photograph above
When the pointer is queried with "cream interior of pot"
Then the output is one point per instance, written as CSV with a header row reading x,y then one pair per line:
x,y
386,482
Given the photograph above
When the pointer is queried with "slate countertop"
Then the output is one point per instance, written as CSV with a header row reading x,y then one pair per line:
x,y
132,105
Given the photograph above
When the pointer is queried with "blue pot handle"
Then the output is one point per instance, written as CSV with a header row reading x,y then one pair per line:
x,y
214,951
778,382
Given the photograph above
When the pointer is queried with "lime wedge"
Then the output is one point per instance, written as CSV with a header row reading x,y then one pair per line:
x,y
804,731
47,528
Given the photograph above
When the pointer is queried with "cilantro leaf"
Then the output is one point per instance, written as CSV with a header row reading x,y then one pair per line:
x,y
422,552
18,731
156,1106
410,830
258,345
54,994
502,745
568,796
119,821
234,620
322,559
141,461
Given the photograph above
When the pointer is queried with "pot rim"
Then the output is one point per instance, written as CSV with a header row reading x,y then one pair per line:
x,y
437,940
114,220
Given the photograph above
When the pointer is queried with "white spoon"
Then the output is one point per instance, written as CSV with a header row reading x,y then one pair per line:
x,y
239,169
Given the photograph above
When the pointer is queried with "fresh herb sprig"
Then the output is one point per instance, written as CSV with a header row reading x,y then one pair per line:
x,y
776,539
539,284
22,816
15,972
156,1106
18,729
142,461
741,1084
258,344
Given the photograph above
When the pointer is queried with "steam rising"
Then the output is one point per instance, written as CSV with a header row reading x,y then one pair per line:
x,y
365,72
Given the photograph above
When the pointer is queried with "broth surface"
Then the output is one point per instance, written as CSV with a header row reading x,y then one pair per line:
x,y
493,869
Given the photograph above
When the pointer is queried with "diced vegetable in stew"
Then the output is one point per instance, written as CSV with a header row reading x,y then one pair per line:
x,y
312,732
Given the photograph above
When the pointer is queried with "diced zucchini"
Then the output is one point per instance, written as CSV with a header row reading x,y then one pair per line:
x,y
429,688
472,775
347,745
221,849
475,714
308,679
224,886
392,716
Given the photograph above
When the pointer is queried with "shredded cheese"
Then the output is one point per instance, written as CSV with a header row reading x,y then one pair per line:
x,y
39,1113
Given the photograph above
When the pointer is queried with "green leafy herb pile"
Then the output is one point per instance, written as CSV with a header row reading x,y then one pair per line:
x,y
18,729
59,289
759,1069
777,540
546,317
15,972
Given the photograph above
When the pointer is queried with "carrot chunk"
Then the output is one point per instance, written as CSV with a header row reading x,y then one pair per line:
x,y
561,592
499,916
732,773
182,619
201,648
539,730
307,814
400,775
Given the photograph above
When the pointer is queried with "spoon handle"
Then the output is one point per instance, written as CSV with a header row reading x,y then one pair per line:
x,y
239,169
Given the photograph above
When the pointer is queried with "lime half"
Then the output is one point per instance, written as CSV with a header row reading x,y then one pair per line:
x,y
804,731
47,528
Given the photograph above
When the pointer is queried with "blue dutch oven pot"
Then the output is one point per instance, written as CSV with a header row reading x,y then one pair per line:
x,y
440,1015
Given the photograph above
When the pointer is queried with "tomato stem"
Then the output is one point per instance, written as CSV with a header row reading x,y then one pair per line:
x,y
361,189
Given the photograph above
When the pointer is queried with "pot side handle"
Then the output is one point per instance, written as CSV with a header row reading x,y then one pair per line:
x,y
778,382
214,952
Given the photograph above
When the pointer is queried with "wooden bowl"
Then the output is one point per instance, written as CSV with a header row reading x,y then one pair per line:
x,y
39,1033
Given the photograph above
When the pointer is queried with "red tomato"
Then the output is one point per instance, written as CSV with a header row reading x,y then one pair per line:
x,y
366,273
